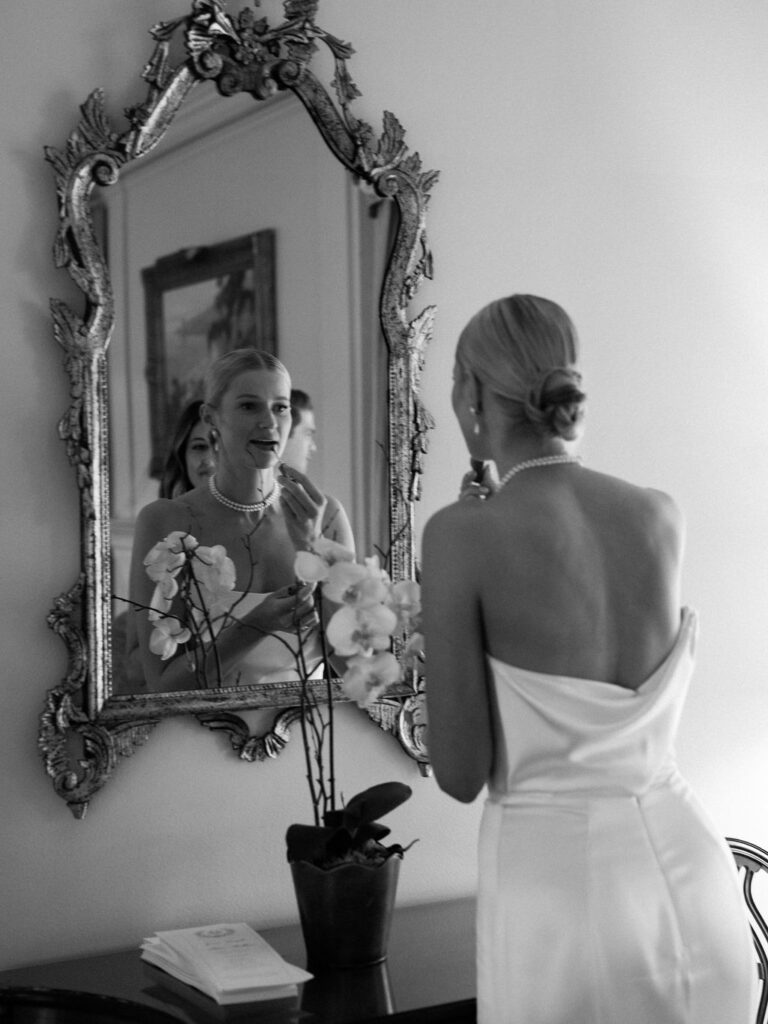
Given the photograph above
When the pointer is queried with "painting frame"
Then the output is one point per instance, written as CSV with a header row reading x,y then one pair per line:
x,y
199,303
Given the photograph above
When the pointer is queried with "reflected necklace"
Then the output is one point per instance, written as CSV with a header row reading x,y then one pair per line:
x,y
544,460
236,506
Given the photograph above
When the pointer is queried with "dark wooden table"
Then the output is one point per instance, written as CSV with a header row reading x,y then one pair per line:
x,y
428,977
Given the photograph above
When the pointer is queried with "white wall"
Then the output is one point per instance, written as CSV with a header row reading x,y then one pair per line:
x,y
610,155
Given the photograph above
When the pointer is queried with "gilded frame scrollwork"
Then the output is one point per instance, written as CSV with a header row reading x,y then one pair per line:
x,y
236,54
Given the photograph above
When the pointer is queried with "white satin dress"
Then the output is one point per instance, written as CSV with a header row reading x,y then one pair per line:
x,y
275,657
606,896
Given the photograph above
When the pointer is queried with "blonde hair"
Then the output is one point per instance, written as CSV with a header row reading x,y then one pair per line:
x,y
222,371
524,350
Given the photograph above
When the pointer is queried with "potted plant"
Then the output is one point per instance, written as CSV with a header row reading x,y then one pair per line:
x,y
344,876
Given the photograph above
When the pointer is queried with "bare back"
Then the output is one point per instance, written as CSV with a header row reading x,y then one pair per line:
x,y
577,574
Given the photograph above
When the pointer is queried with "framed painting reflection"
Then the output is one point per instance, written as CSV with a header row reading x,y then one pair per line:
x,y
200,303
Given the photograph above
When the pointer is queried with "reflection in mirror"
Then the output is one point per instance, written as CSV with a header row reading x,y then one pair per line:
x,y
326,243
234,56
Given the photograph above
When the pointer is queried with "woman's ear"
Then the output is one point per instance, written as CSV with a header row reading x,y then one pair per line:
x,y
207,416
476,393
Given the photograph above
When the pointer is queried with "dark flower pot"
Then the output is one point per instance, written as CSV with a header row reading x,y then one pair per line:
x,y
338,994
345,912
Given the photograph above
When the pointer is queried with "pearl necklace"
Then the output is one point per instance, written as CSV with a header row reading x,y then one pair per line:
x,y
544,460
236,506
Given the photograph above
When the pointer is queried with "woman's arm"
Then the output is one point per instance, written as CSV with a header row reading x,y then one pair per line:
x,y
460,739
336,525
309,514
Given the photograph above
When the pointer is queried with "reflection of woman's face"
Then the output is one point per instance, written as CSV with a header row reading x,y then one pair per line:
x,y
198,454
254,419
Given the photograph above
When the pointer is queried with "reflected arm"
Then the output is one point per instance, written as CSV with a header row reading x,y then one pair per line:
x,y
336,525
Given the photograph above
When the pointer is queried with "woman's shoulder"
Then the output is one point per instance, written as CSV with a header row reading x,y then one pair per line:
x,y
635,497
169,514
461,524
639,510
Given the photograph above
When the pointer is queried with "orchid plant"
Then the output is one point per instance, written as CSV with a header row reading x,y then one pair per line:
x,y
371,610
200,577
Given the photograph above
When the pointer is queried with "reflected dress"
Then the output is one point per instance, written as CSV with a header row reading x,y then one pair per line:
x,y
606,896
274,657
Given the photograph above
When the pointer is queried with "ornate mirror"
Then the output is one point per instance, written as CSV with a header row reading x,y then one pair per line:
x,y
87,725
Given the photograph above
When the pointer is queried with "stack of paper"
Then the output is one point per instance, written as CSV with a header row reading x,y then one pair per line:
x,y
231,963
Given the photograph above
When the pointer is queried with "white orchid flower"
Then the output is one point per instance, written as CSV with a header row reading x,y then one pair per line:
x,y
166,588
368,676
331,551
180,541
374,567
414,651
351,583
169,555
310,567
166,637
360,630
159,604
160,562
314,566
405,601
213,569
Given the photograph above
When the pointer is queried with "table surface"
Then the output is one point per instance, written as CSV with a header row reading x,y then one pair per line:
x,y
429,976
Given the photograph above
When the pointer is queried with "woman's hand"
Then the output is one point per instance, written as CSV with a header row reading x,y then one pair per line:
x,y
303,506
472,488
287,610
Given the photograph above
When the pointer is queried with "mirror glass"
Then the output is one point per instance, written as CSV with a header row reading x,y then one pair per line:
x,y
319,222
316,239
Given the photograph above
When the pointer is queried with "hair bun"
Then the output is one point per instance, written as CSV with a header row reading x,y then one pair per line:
x,y
555,403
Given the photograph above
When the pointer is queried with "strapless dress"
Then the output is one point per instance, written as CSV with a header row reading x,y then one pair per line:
x,y
274,657
606,895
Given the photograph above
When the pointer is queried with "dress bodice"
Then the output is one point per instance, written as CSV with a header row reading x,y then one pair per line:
x,y
560,734
273,658
597,859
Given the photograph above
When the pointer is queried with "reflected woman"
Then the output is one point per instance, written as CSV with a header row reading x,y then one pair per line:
x,y
191,459
261,511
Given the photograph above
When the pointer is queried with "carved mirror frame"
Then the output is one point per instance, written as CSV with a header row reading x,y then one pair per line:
x,y
84,730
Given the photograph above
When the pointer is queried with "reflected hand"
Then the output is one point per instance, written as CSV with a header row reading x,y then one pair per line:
x,y
303,506
286,610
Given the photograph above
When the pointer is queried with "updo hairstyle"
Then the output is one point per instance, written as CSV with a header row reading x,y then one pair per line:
x,y
222,371
524,350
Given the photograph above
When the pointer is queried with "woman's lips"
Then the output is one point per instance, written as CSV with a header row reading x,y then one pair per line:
x,y
266,444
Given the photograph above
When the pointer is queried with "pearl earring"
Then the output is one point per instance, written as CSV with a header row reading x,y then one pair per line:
x,y
476,425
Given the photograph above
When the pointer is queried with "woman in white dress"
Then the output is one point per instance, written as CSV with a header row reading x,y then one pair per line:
x,y
261,511
558,658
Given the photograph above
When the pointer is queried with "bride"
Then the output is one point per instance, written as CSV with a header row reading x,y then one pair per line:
x,y
558,659
262,512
